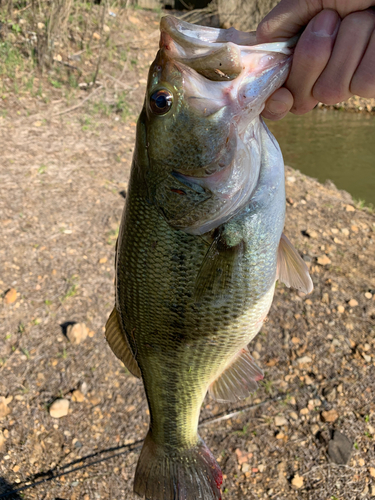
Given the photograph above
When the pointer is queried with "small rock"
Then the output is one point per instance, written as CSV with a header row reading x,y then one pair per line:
x,y
91,333
96,36
84,388
297,481
293,415
325,298
2,442
340,448
40,26
280,435
103,260
303,360
345,231
291,178
315,429
280,421
106,28
10,296
16,468
340,309
353,303
77,333
59,59
59,408
77,396
4,410
372,471
349,208
324,260
368,295
367,358
313,234
245,467
330,416
304,411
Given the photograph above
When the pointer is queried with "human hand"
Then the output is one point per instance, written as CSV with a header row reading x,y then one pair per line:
x,y
334,57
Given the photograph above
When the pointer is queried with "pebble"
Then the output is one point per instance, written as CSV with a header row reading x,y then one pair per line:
x,y
353,303
77,396
368,295
2,442
77,333
297,481
280,421
349,208
315,429
103,260
340,309
40,26
303,360
59,408
10,296
330,416
4,410
340,448
291,178
324,260
293,415
372,471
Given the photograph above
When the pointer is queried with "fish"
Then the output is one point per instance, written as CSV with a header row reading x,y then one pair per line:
x,y
201,244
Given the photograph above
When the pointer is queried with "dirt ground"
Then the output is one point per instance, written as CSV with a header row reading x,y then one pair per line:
x,y
63,178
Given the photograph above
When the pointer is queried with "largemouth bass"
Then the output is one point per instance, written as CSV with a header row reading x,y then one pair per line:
x,y
200,244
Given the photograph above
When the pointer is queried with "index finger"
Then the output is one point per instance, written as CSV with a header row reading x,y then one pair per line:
x,y
290,16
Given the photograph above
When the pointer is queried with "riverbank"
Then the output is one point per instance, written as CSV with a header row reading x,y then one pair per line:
x,y
354,104
65,166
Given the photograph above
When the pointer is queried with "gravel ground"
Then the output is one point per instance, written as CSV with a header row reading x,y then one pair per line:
x,y
63,180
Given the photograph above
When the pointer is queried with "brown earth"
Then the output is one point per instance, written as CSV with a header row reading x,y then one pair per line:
x,y
62,182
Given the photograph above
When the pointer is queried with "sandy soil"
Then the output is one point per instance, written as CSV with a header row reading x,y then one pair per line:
x,y
63,179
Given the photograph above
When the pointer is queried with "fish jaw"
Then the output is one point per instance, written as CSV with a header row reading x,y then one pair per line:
x,y
220,78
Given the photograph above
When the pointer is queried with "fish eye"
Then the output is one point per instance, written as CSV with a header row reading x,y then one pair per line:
x,y
161,101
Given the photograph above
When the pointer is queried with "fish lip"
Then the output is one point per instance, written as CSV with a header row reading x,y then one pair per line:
x,y
195,37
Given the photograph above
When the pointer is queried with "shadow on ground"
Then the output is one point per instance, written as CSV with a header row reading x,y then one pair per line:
x,y
7,491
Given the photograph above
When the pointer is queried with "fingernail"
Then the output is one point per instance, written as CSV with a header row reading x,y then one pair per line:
x,y
325,23
276,107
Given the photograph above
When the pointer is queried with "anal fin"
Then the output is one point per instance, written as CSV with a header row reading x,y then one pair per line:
x,y
291,269
238,380
117,342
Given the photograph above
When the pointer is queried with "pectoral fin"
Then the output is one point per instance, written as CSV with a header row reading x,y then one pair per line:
x,y
117,342
220,263
291,269
238,380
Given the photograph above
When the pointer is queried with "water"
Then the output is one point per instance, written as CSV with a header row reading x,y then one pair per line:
x,y
331,145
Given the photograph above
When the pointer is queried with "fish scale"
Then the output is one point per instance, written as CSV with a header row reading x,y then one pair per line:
x,y
198,256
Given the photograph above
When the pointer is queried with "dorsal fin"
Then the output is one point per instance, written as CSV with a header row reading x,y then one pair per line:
x,y
238,380
291,269
119,345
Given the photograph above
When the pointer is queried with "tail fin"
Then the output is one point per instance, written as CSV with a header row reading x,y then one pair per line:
x,y
169,474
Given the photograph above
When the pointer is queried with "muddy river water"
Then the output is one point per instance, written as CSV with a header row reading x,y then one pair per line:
x,y
331,145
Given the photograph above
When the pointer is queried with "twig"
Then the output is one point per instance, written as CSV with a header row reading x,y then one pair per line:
x,y
125,85
78,105
227,416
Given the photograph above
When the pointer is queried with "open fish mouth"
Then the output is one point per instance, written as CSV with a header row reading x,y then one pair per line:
x,y
226,77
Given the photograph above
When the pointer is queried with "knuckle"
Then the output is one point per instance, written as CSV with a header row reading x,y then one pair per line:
x,y
328,94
